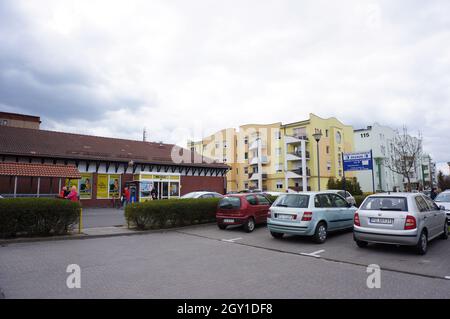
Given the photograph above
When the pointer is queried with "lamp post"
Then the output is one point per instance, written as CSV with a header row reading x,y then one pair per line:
x,y
317,136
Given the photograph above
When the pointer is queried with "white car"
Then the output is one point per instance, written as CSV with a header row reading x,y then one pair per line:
x,y
443,200
202,195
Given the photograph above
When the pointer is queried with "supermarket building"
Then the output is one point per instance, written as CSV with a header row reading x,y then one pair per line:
x,y
35,162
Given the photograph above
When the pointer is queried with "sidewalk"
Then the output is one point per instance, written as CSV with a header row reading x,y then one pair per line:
x,y
97,232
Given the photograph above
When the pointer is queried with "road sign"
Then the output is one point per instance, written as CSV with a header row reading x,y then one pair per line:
x,y
357,161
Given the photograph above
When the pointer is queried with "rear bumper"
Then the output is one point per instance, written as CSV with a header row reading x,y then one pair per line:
x,y
290,228
407,237
237,220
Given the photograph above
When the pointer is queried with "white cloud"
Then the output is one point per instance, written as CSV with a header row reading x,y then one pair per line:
x,y
187,68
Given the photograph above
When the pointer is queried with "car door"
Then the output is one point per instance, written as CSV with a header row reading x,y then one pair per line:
x,y
252,209
324,207
263,208
425,214
345,214
437,216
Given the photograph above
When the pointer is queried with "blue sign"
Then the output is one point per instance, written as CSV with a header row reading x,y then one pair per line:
x,y
358,161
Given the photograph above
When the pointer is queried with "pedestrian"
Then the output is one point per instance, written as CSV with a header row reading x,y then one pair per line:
x,y
125,197
63,193
73,195
433,193
154,194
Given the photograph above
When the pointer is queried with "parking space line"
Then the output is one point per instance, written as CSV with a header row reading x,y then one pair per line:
x,y
231,240
314,254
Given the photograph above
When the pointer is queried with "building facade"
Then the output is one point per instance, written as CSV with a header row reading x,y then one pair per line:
x,y
20,120
279,157
377,138
106,166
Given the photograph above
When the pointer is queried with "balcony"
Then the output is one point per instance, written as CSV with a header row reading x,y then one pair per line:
x,y
254,145
297,173
295,139
296,156
255,176
264,160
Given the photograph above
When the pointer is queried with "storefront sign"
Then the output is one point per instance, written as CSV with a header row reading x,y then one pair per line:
x,y
102,186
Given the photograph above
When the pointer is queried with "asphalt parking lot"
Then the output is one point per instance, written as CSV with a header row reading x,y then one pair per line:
x,y
205,262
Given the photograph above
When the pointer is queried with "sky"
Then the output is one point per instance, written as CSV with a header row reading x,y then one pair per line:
x,y
185,69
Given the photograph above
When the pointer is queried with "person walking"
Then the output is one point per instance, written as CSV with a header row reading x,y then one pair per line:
x,y
63,193
433,193
125,197
73,195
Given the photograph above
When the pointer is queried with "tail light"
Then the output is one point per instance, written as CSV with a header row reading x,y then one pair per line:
x,y
410,222
307,216
356,220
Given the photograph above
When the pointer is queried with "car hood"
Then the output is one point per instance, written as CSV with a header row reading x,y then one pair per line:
x,y
445,204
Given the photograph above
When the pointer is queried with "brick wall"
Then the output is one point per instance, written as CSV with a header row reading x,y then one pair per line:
x,y
202,183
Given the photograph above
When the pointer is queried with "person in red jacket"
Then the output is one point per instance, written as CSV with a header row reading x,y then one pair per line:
x,y
125,197
73,195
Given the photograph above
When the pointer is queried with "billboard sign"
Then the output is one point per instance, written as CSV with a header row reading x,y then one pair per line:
x,y
357,161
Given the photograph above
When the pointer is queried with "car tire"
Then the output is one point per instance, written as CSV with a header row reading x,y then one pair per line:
x,y
361,243
320,234
277,235
422,244
249,225
445,234
222,226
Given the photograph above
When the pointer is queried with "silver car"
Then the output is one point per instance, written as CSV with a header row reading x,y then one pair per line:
x,y
411,219
348,197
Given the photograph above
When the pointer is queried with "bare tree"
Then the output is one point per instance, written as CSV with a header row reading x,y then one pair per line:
x,y
405,151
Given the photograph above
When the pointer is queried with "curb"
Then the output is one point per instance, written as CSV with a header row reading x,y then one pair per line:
x,y
6,242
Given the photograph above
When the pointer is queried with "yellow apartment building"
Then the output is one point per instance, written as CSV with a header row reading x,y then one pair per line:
x,y
278,157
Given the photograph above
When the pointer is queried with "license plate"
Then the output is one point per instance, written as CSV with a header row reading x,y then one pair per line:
x,y
284,217
385,221
228,221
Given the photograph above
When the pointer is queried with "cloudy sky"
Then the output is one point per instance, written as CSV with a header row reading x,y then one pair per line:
x,y
187,68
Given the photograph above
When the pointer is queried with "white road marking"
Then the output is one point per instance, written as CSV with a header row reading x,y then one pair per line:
x,y
314,254
231,240
447,277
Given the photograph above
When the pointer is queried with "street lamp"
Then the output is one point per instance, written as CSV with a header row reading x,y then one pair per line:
x,y
317,136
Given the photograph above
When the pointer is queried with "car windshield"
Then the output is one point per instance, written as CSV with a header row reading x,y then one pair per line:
x,y
385,203
230,203
443,197
190,195
294,200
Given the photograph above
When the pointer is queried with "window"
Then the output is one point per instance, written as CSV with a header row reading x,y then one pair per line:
x,y
329,166
246,185
338,137
279,185
421,204
431,205
277,135
385,203
328,149
245,170
278,151
337,201
262,200
4,122
251,200
326,133
279,167
322,201
246,140
230,203
217,144
246,155
292,200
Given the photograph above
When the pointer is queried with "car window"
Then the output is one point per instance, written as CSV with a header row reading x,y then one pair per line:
x,y
337,201
348,195
431,205
322,201
230,203
262,200
251,200
292,200
205,196
421,204
217,195
342,193
385,203
443,197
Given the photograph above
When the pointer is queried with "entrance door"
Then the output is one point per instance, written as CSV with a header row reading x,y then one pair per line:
x,y
164,191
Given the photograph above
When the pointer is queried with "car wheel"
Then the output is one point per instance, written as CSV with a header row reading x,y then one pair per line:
x,y
276,235
422,244
249,225
222,226
361,243
445,234
320,235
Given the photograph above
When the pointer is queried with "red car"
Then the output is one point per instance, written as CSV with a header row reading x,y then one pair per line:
x,y
242,209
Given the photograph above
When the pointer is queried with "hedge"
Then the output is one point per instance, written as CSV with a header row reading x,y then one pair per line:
x,y
37,216
359,199
169,213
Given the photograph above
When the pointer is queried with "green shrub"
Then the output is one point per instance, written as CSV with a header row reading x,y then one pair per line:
x,y
159,214
359,199
37,216
272,198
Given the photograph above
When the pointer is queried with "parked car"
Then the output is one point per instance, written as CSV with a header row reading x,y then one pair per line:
x,y
1,197
242,209
411,219
443,199
348,197
202,195
310,214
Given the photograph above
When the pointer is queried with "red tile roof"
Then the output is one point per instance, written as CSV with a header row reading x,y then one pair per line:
x,y
39,170
40,143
